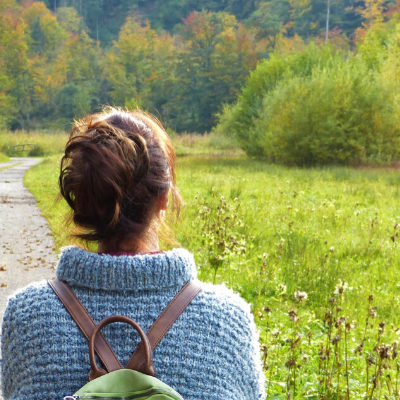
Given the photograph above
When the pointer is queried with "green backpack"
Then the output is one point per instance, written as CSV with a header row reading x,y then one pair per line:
x,y
137,380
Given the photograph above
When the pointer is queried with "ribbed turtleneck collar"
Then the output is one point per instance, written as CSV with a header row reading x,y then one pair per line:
x,y
141,272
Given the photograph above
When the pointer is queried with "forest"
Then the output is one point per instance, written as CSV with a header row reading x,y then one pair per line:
x,y
193,63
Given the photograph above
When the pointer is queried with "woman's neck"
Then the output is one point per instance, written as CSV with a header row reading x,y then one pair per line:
x,y
148,244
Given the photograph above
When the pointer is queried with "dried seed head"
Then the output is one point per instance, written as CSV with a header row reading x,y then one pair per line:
x,y
370,361
338,309
340,321
267,310
290,363
300,296
370,297
309,335
332,299
372,312
293,315
336,339
384,351
359,349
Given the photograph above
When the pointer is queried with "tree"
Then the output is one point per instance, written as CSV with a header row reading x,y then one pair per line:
x,y
140,66
216,53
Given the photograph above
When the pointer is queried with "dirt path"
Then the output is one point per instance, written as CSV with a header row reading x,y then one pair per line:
x,y
26,244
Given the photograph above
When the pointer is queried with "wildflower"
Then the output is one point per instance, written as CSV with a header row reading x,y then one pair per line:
x,y
338,309
341,287
275,333
332,249
293,315
332,299
300,296
372,312
281,288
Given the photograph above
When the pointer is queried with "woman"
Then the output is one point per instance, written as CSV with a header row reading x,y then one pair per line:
x,y
117,174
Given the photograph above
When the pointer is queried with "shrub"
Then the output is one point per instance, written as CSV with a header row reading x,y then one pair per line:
x,y
338,115
319,107
238,119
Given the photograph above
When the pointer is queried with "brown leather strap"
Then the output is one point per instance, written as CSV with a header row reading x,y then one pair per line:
x,y
155,333
164,323
86,324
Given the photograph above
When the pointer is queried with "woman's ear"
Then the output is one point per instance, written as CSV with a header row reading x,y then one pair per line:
x,y
163,201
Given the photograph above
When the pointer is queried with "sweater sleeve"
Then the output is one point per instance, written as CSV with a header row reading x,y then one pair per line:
x,y
236,345
9,347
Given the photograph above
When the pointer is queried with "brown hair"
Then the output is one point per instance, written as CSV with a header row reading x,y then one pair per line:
x,y
116,165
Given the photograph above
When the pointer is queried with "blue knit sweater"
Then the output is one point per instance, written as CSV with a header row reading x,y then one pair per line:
x,y
211,352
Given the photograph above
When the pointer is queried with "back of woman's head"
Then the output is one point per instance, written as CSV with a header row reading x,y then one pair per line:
x,y
116,166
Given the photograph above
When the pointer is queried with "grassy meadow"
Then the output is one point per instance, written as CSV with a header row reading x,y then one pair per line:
x,y
315,251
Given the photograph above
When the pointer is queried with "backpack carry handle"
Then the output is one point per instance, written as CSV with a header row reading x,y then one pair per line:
x,y
96,372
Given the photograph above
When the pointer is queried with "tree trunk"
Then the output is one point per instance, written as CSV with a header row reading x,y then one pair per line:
x,y
328,12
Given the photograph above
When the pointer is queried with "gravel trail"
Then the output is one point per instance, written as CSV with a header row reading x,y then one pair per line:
x,y
26,244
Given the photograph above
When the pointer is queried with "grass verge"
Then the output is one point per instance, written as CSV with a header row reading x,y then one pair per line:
x,y
9,166
4,158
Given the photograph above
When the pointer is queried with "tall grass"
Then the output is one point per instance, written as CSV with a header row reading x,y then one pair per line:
x,y
36,143
331,235
47,144
4,158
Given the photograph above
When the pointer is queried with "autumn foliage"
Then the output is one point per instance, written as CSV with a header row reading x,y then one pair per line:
x,y
273,73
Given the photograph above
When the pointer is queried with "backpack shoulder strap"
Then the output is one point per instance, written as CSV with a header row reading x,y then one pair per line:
x,y
155,334
164,322
86,324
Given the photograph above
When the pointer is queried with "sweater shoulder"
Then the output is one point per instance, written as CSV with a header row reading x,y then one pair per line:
x,y
222,297
226,308
26,301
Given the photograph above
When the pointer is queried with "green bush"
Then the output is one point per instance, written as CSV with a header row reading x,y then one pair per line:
x,y
238,120
339,115
319,107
